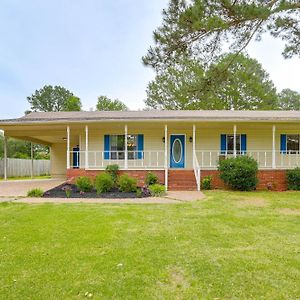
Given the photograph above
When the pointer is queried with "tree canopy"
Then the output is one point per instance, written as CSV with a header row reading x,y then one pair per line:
x,y
55,98
289,100
106,104
201,28
244,85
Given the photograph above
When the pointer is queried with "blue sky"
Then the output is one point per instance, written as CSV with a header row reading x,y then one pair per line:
x,y
93,47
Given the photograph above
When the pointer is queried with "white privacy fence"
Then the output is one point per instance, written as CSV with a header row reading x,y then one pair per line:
x,y
22,167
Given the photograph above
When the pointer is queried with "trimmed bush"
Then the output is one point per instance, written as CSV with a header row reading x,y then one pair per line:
x,y
127,184
151,179
206,183
293,179
239,173
113,170
84,184
35,193
104,183
139,193
157,190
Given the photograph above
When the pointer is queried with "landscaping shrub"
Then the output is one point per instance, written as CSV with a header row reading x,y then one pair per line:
x,y
139,193
293,179
113,171
104,183
68,190
127,184
35,193
151,179
84,184
157,190
206,183
239,173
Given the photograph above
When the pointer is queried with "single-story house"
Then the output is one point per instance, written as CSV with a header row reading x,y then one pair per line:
x,y
180,146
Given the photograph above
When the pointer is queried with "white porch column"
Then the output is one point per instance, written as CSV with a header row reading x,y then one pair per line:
x,y
5,157
234,140
166,157
86,146
31,157
126,146
194,143
273,147
68,147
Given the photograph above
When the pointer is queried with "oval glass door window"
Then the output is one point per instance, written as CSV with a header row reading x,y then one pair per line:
x,y
177,151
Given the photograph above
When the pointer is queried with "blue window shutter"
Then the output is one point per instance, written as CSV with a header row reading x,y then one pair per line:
x,y
243,143
283,143
140,146
223,144
106,146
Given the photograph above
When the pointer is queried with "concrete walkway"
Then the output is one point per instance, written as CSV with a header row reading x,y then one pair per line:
x,y
185,196
19,188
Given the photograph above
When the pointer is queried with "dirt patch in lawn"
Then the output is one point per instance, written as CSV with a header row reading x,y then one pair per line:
x,y
258,202
290,211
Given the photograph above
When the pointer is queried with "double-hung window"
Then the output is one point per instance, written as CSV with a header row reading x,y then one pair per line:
x,y
114,146
227,144
292,144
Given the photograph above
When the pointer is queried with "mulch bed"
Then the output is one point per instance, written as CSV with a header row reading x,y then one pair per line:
x,y
58,192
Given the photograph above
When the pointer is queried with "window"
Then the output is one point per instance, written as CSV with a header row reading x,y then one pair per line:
x,y
117,146
292,143
230,143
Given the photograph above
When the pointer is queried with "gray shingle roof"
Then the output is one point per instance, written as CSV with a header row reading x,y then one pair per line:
x,y
151,115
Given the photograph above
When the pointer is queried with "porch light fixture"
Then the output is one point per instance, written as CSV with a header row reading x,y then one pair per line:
x,y
191,139
64,138
163,139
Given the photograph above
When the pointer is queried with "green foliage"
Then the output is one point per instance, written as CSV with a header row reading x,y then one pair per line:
x,y
127,183
239,173
22,149
113,171
206,183
157,190
84,184
139,193
35,193
293,179
202,28
242,85
151,179
56,98
104,183
106,104
289,100
73,103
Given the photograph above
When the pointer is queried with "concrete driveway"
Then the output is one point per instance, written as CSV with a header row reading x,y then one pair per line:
x,y
17,188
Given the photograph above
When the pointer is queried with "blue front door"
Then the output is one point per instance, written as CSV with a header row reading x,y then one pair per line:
x,y
177,151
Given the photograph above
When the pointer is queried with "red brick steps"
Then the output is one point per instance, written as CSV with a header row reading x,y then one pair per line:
x,y
181,180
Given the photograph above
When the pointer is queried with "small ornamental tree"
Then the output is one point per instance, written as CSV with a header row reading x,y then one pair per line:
x,y
239,173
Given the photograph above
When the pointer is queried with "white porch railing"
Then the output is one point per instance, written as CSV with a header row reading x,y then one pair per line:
x,y
101,159
209,159
197,171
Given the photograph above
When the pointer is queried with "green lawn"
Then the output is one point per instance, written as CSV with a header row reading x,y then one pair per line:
x,y
229,246
28,177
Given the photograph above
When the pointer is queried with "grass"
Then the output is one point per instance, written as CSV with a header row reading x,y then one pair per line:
x,y
28,177
230,246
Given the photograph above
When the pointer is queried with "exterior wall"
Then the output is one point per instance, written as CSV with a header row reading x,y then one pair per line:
x,y
58,156
140,175
268,179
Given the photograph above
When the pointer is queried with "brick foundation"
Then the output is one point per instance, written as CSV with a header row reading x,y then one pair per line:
x,y
140,175
276,179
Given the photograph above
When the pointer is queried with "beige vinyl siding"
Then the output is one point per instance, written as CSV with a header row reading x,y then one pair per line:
x,y
58,159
